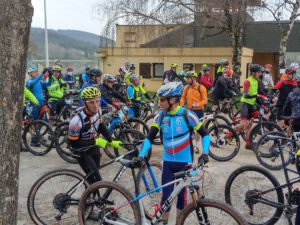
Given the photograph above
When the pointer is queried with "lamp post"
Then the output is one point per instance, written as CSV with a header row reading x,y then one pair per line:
x,y
46,36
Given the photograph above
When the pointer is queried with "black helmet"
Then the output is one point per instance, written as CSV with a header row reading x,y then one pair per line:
x,y
87,69
95,73
186,66
256,68
132,66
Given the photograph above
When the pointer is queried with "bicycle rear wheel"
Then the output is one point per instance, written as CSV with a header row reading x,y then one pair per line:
x,y
246,190
210,211
268,154
225,142
108,203
53,199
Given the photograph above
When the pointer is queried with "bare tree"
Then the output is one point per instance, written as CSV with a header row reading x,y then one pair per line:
x,y
230,18
15,20
285,13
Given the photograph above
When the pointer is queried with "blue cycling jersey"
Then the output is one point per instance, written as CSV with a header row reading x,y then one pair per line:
x,y
36,85
176,134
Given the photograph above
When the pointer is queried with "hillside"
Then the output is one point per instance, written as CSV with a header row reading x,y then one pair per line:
x,y
65,44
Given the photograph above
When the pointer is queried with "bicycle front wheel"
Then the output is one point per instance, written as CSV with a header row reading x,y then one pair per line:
x,y
248,189
108,203
210,211
225,142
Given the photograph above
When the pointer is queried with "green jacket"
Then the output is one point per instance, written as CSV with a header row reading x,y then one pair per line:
x,y
253,90
56,89
29,96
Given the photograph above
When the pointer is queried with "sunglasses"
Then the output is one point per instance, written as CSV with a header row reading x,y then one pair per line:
x,y
94,102
163,99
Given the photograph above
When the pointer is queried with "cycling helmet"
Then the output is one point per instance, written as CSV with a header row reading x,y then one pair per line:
x,y
291,70
256,68
133,77
295,65
109,77
191,74
186,66
203,66
31,69
224,62
132,66
127,64
70,69
206,69
57,68
89,93
268,65
95,73
174,65
171,89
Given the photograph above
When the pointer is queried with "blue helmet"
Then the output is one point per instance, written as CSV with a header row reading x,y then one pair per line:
x,y
171,89
31,69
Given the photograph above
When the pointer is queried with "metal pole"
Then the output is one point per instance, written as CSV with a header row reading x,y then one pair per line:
x,y
46,35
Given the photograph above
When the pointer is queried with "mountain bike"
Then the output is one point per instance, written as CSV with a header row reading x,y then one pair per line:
x,y
115,205
259,196
54,197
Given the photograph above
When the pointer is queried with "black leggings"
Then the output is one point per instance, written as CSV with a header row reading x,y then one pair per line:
x,y
90,161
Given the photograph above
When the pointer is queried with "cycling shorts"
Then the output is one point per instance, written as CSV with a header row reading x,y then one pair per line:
x,y
246,111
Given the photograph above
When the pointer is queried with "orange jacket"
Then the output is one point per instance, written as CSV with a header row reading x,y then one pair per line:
x,y
195,96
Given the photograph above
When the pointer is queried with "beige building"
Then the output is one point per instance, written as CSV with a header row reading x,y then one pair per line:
x,y
152,62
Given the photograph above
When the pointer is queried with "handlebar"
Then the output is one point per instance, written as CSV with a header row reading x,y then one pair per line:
x,y
191,172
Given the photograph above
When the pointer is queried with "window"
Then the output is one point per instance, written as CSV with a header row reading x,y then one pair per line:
x,y
130,36
145,70
158,69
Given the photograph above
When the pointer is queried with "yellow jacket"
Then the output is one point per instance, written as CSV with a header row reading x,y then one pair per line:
x,y
194,96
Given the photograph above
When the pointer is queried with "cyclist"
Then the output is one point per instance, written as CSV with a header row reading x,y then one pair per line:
x,y
248,100
36,85
135,93
85,78
95,77
56,90
222,89
68,78
284,86
206,78
126,67
171,75
186,68
83,131
195,95
129,73
267,77
107,91
176,125
223,64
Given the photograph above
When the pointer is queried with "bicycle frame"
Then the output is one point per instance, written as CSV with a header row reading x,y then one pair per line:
x,y
187,181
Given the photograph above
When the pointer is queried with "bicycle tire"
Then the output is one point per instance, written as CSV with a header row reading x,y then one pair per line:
x,y
255,131
65,114
133,121
229,192
126,137
267,159
219,132
65,153
207,204
140,185
38,185
94,188
219,118
37,124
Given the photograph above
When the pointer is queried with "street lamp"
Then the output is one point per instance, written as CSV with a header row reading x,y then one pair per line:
x,y
46,35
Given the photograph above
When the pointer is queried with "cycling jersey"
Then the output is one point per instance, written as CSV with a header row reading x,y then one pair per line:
x,y
194,96
285,87
56,89
108,94
176,134
36,85
292,103
29,96
135,93
250,89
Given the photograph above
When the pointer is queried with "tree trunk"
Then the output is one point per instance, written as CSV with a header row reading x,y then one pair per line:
x,y
15,20
282,49
237,52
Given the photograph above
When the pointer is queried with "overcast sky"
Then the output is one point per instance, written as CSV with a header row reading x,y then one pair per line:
x,y
67,14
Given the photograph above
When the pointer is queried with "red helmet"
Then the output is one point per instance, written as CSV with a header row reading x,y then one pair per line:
x,y
268,65
70,69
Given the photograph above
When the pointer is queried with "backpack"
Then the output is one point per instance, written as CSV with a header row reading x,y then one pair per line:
x,y
191,130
